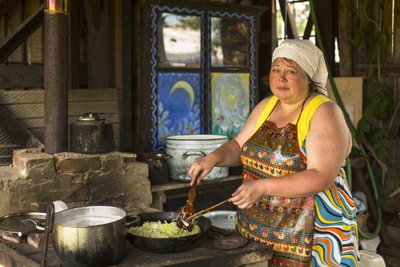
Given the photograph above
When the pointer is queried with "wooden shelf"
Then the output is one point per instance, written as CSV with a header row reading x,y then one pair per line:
x,y
159,191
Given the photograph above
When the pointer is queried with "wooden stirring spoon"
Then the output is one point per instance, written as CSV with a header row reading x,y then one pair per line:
x,y
189,206
187,210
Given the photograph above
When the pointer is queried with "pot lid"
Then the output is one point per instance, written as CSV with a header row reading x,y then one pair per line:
x,y
22,223
197,137
89,117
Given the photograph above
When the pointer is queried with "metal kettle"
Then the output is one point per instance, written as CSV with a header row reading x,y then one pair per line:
x,y
91,134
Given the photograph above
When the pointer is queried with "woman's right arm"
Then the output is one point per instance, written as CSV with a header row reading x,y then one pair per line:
x,y
227,155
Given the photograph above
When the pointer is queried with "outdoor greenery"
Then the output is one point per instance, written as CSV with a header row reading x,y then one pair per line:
x,y
375,129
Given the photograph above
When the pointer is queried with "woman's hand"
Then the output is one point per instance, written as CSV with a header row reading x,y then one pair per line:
x,y
200,168
246,195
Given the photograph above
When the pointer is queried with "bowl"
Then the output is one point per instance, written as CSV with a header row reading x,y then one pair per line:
x,y
223,219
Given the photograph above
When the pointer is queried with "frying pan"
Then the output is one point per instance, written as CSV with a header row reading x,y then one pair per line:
x,y
167,245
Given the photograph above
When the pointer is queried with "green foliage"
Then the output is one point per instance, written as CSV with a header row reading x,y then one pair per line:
x,y
394,174
373,128
375,117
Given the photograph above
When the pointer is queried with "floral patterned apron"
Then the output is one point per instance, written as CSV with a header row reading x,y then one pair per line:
x,y
285,223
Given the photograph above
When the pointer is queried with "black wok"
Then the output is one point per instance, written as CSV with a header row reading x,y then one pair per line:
x,y
167,245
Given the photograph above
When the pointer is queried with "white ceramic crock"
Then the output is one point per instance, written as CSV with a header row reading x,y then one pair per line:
x,y
183,149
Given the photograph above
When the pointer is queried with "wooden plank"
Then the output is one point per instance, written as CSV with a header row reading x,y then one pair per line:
x,y
97,94
98,42
351,92
15,17
20,34
74,95
179,185
21,76
29,76
74,43
396,28
325,16
345,36
360,22
16,258
17,132
6,5
2,29
34,44
387,30
127,46
39,122
74,109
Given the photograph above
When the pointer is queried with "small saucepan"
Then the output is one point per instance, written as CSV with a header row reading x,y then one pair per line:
x,y
167,245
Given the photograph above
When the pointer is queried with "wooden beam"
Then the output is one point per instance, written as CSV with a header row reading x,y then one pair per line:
x,y
325,13
290,25
396,28
74,44
308,29
344,38
29,26
93,12
126,132
96,15
17,132
387,30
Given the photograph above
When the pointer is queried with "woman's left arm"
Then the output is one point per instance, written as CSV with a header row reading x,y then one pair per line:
x,y
328,144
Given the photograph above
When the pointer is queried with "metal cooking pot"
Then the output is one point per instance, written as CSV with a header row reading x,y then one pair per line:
x,y
90,236
158,166
183,149
167,245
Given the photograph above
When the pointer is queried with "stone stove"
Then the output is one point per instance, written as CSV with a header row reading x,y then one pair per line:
x,y
36,178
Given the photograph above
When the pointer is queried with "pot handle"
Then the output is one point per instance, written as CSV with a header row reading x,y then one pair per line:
x,y
59,205
193,153
48,229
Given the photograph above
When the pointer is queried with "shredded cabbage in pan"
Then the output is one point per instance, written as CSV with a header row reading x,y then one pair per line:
x,y
162,230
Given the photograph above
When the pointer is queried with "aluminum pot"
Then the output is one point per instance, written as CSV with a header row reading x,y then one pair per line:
x,y
90,236
183,149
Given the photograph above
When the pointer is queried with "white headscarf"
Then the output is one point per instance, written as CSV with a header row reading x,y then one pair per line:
x,y
308,56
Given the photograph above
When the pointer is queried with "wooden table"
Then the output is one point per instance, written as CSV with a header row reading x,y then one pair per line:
x,y
253,254
160,191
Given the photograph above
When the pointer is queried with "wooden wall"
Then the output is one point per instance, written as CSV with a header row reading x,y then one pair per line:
x,y
28,108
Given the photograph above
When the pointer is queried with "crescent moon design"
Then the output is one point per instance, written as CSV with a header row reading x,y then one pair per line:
x,y
185,86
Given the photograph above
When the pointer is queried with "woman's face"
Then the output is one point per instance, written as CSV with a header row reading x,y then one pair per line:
x,y
288,81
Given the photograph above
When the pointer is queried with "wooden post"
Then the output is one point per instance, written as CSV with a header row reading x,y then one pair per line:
x,y
345,36
55,80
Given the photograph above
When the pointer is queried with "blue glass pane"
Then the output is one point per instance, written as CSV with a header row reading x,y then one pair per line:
x,y
178,104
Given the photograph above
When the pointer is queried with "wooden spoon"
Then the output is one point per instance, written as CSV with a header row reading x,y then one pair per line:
x,y
198,214
189,206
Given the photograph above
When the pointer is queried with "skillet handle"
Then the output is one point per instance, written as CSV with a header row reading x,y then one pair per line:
x,y
132,219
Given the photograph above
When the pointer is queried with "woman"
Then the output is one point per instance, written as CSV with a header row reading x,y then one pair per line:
x,y
294,194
